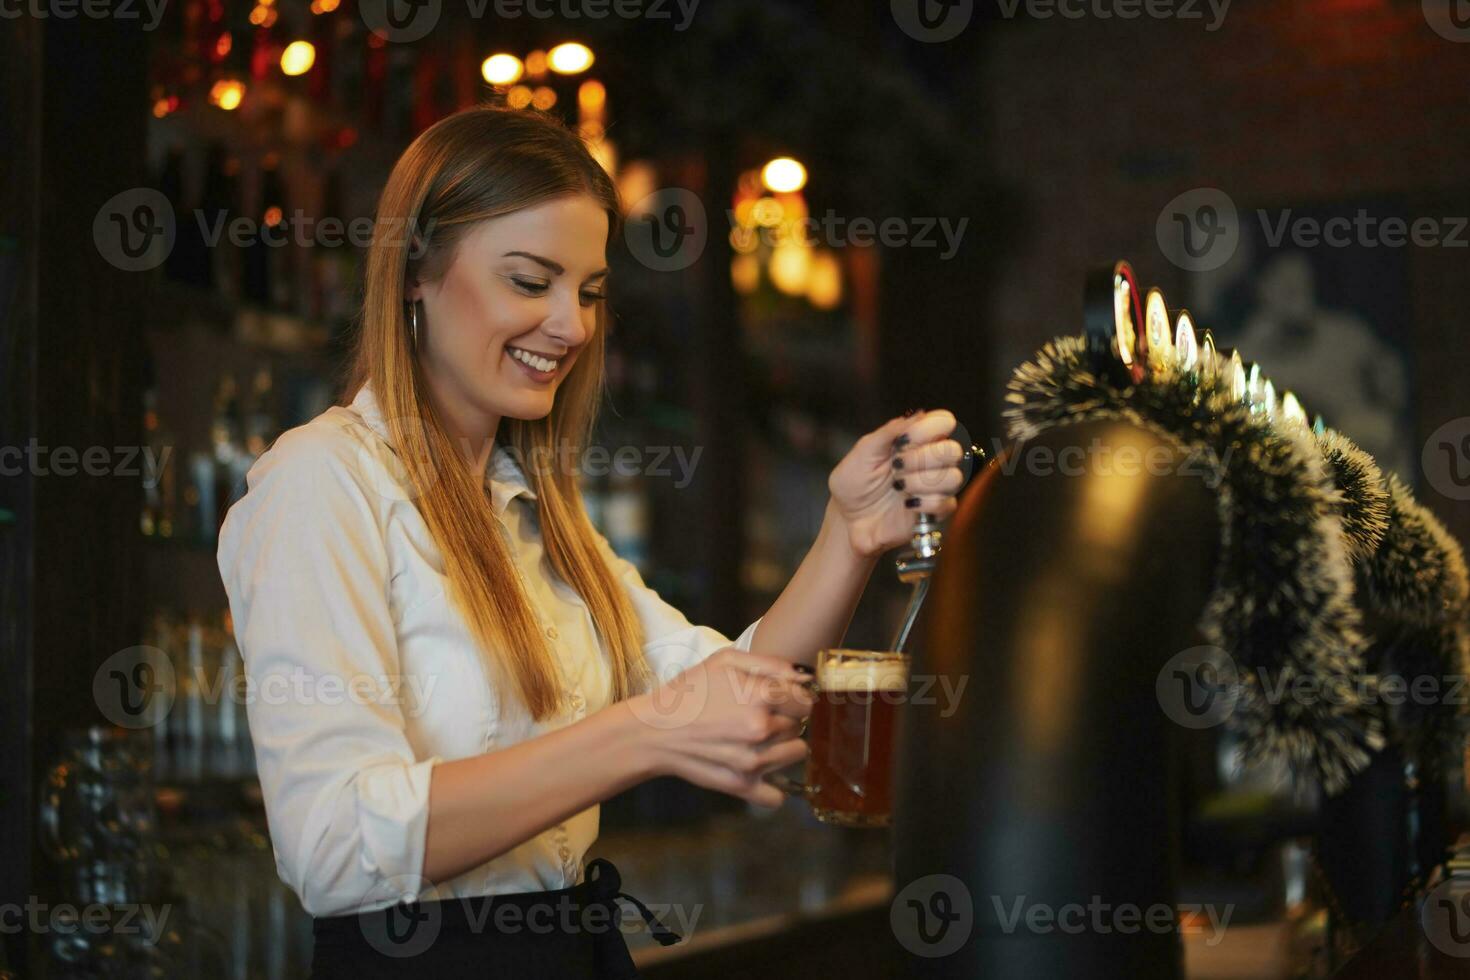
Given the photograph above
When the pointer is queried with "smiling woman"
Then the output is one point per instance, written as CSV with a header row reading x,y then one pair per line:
x,y
429,526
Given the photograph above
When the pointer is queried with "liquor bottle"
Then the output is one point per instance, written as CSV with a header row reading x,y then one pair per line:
x,y
276,229
220,206
227,446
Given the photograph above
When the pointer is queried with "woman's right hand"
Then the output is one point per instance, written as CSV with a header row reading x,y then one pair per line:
x,y
727,721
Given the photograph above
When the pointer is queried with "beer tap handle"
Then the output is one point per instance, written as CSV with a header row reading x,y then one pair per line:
x,y
915,564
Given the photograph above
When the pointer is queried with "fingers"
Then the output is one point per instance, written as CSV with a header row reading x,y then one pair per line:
x,y
918,429
941,480
932,455
937,505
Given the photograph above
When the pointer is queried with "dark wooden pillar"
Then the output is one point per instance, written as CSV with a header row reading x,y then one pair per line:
x,y
73,122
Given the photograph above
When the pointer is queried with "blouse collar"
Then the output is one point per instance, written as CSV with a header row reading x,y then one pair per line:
x,y
503,474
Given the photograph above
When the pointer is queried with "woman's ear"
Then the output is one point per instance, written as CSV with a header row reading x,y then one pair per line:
x,y
414,293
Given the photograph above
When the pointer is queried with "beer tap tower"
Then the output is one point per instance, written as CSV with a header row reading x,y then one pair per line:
x,y
1048,788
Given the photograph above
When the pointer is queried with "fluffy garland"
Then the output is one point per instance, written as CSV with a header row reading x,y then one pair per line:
x,y
1363,509
1283,600
1416,593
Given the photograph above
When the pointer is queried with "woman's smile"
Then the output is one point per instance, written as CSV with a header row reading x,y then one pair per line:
x,y
539,367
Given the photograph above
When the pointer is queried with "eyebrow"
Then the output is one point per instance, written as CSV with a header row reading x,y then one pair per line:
x,y
554,266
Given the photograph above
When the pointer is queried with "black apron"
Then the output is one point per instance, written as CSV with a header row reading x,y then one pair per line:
x,y
568,932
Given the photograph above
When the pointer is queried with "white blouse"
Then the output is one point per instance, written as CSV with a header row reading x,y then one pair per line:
x,y
363,674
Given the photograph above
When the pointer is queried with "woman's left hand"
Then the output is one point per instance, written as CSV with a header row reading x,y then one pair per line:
x,y
907,467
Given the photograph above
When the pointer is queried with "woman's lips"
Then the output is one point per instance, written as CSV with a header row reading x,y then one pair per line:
x,y
541,377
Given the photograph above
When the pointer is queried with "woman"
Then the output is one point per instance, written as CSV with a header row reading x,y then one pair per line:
x,y
451,666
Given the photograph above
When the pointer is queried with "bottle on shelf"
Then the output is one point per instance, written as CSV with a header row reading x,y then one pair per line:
x,y
228,448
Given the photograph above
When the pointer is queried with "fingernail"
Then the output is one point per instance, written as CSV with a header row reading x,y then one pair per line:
x,y
898,462
901,441
911,502
898,484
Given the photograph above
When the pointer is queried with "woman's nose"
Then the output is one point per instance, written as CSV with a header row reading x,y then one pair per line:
x,y
565,324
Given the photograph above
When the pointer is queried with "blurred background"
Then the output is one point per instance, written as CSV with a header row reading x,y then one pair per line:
x,y
836,212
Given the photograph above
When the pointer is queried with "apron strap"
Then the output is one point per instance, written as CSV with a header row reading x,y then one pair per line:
x,y
604,887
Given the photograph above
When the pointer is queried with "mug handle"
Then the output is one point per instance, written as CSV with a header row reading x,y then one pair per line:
x,y
790,786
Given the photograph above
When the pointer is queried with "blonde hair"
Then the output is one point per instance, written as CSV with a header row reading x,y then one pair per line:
x,y
477,164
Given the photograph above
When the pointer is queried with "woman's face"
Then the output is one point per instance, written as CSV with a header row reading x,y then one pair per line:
x,y
523,286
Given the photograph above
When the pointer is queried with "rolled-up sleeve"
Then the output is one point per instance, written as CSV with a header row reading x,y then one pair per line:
x,y
670,642
305,567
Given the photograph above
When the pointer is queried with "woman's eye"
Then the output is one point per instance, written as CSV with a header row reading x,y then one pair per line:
x,y
590,296
530,285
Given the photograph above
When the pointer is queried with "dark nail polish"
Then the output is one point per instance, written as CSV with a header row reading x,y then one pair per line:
x,y
901,441
898,462
898,484
911,502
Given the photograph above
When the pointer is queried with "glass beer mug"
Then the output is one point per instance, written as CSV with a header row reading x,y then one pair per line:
x,y
851,729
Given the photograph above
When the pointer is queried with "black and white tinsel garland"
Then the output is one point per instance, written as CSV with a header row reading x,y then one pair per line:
x,y
1363,507
1283,604
1416,594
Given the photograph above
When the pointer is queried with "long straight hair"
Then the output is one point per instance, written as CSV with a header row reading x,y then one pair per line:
x,y
478,164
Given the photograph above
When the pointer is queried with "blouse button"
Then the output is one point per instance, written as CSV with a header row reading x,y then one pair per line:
x,y
551,632
565,852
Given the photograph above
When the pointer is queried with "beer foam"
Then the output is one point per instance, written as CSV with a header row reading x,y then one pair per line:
x,y
875,675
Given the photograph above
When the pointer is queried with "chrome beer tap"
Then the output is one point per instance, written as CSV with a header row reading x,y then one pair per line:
x,y
916,563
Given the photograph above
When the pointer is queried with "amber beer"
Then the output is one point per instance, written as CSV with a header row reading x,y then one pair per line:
x,y
853,723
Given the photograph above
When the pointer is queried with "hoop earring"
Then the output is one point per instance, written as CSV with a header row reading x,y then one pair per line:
x,y
413,323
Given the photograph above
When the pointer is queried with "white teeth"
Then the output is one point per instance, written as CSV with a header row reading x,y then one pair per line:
x,y
525,357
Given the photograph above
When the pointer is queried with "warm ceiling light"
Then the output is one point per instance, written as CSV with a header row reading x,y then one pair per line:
x,y
569,58
298,58
502,69
784,175
227,94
